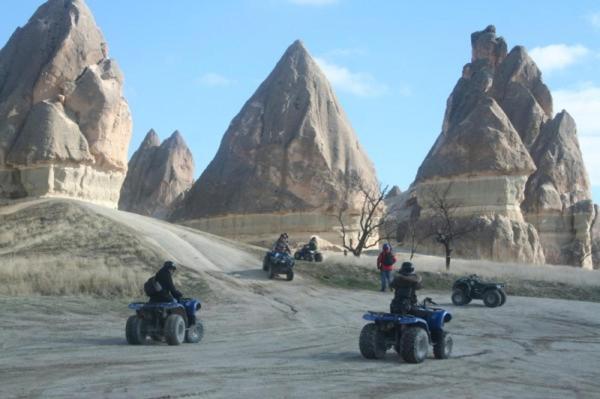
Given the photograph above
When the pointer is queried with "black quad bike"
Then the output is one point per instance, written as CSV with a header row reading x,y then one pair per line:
x,y
307,254
276,263
472,287
174,322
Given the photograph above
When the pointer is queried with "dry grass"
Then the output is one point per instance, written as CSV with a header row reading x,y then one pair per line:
x,y
562,282
61,248
25,277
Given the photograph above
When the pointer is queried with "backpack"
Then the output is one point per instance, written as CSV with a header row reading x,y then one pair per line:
x,y
152,287
388,259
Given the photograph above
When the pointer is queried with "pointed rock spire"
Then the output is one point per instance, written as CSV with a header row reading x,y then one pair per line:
x,y
158,176
55,74
290,149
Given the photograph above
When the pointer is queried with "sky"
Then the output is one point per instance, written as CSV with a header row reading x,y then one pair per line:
x,y
190,65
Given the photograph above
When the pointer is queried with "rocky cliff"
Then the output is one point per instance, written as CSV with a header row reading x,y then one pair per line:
x,y
509,167
64,125
157,176
288,158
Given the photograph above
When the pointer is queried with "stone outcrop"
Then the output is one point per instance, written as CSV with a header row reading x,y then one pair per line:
x,y
509,167
287,162
64,125
158,175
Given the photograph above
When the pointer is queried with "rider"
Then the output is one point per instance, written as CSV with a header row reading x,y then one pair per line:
x,y
164,277
282,245
312,244
405,284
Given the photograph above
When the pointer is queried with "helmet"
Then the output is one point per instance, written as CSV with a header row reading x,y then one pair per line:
x,y
387,247
170,265
407,267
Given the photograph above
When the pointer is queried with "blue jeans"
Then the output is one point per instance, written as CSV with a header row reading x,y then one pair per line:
x,y
386,278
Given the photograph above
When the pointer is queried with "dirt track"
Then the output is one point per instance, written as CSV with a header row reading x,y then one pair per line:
x,y
289,339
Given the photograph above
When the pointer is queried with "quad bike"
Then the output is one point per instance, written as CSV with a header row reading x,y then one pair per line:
x,y
174,322
307,254
276,263
472,287
409,334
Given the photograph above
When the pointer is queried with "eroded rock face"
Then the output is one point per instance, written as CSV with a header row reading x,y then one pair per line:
x,y
62,114
158,175
290,151
507,165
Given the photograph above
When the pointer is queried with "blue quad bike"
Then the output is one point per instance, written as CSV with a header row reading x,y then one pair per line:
x,y
276,263
409,334
307,254
173,322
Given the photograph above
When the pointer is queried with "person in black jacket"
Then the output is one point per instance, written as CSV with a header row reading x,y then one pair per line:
x,y
167,291
405,285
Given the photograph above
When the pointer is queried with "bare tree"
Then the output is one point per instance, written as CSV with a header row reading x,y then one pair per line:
x,y
412,233
371,219
446,225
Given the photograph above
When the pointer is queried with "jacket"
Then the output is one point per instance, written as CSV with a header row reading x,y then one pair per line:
x,y
405,296
380,262
168,291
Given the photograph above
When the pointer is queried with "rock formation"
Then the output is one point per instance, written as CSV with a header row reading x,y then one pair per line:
x,y
508,167
157,176
288,161
64,125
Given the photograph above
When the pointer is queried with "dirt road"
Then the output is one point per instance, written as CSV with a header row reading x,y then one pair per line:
x,y
278,339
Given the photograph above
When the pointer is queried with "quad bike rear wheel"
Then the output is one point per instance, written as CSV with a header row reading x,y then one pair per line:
x,y
460,297
266,263
290,275
414,344
372,342
134,331
175,329
194,333
503,295
442,348
297,255
492,298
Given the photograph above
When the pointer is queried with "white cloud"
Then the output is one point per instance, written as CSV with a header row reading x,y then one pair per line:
x,y
357,83
317,3
594,19
212,79
583,103
558,56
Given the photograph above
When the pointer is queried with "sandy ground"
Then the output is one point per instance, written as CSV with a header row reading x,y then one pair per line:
x,y
278,339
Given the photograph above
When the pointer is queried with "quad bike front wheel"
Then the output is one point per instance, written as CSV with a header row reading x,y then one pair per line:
x,y
175,329
414,344
318,257
442,348
297,255
460,297
372,342
290,275
271,272
492,298
194,333
134,331
266,263
503,295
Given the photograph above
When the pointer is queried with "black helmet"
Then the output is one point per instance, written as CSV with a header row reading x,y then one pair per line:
x,y
170,265
407,267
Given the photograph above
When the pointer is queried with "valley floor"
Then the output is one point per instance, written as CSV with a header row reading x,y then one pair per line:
x,y
301,342
278,339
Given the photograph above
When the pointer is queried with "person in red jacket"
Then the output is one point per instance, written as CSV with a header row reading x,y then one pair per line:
x,y
385,264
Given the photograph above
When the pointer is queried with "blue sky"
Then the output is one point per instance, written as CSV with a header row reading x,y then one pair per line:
x,y
191,65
